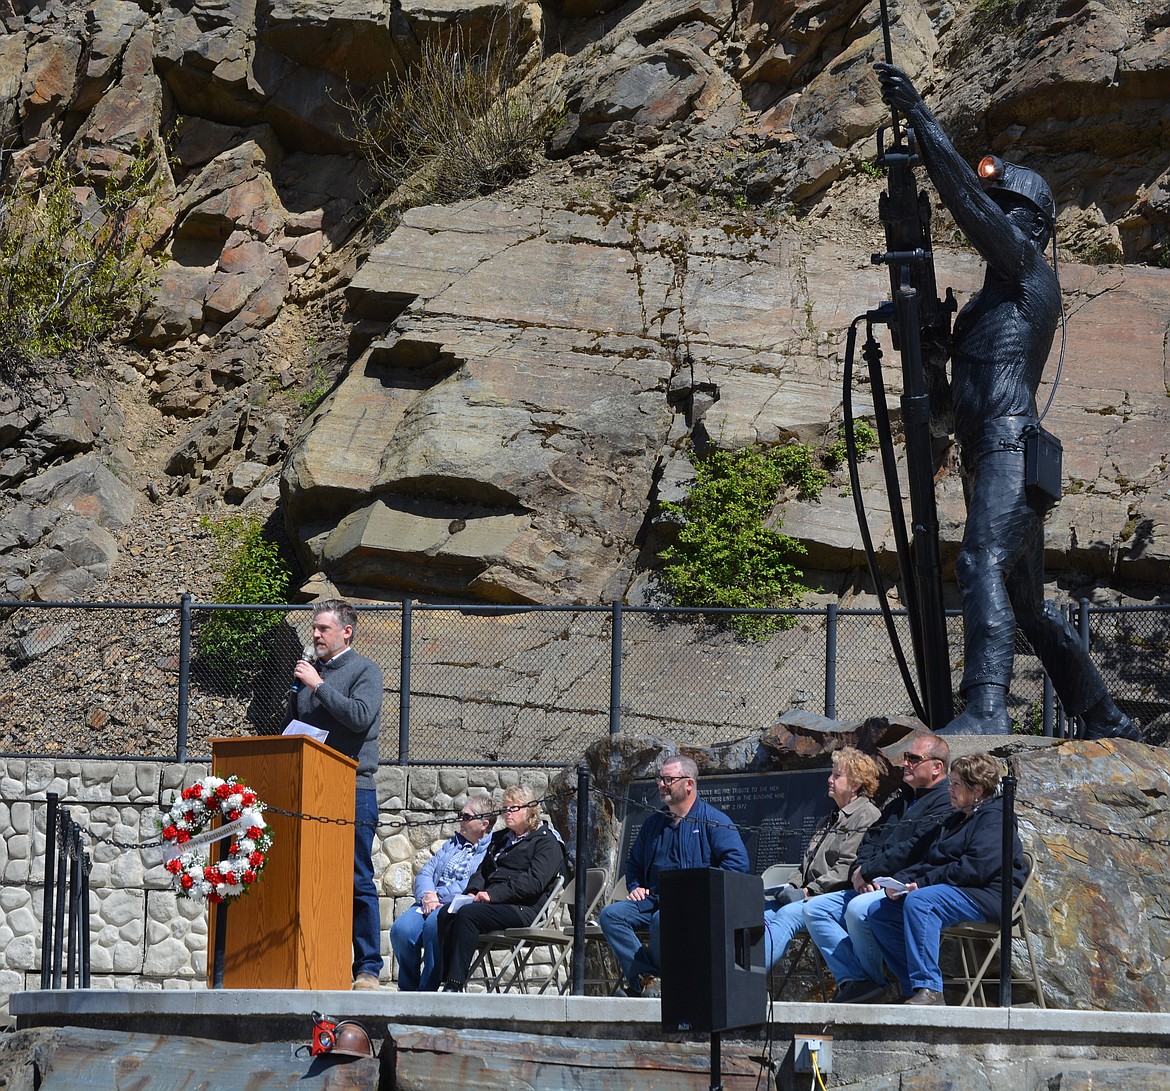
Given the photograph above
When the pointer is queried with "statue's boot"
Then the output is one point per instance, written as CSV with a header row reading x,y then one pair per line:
x,y
986,712
1106,721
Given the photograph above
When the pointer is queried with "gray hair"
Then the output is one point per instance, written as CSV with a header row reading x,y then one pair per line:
x,y
340,609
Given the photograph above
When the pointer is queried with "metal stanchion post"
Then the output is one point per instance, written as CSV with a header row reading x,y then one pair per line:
x,y
579,892
1007,894
51,812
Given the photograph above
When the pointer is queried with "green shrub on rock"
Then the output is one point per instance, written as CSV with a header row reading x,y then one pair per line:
x,y
464,120
253,572
725,554
75,259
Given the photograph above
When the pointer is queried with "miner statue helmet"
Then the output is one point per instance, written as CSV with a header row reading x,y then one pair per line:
x,y
997,176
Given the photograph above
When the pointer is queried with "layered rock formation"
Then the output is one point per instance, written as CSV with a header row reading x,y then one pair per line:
x,y
516,378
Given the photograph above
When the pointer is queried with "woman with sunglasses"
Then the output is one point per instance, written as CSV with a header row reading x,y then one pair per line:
x,y
518,872
414,935
959,878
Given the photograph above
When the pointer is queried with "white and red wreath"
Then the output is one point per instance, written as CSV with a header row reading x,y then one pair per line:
x,y
187,835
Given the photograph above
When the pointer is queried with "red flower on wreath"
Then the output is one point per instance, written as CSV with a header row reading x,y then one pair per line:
x,y
186,882
224,790
256,859
249,876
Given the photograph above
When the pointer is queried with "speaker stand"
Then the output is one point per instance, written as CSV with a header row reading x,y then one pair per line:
x,y
716,1063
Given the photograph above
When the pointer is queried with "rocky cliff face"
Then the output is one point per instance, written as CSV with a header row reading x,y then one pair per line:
x,y
513,381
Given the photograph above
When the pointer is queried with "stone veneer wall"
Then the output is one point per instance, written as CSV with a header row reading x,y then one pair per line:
x,y
142,935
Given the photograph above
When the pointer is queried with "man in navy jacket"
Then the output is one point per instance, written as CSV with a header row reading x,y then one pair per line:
x,y
686,833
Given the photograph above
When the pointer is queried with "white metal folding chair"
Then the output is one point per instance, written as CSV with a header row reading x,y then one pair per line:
x,y
555,940
509,942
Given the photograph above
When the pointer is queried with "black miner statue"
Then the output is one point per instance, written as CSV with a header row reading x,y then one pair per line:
x,y
1000,344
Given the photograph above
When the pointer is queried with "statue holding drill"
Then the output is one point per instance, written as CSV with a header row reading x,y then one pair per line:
x,y
1000,343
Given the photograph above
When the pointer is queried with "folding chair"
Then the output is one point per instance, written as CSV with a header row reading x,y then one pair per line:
x,y
555,938
509,941
605,960
970,934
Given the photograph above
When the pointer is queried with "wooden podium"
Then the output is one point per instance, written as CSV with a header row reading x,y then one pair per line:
x,y
294,928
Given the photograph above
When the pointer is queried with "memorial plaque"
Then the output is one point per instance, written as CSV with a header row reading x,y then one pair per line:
x,y
776,812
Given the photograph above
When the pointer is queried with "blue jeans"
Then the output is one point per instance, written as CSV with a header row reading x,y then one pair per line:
x,y
781,923
909,931
415,940
620,922
367,920
839,925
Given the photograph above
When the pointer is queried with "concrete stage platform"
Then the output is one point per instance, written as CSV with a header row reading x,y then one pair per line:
x,y
1015,1049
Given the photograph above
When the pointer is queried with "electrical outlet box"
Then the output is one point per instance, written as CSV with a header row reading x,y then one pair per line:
x,y
805,1045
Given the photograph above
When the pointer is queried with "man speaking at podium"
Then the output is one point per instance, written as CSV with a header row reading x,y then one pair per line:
x,y
340,691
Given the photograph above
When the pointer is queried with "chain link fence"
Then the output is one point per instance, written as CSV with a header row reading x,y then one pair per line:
x,y
469,684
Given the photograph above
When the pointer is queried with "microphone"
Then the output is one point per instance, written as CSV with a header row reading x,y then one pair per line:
x,y
307,653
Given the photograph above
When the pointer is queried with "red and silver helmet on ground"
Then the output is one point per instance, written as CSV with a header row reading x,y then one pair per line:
x,y
346,1039
999,176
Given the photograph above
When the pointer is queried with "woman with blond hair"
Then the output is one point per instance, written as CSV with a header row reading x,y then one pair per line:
x,y
519,870
825,867
959,878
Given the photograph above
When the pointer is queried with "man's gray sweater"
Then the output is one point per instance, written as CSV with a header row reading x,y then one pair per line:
x,y
347,704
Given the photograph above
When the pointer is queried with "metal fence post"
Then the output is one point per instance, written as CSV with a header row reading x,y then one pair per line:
x,y
404,685
1049,707
52,799
184,675
831,661
615,669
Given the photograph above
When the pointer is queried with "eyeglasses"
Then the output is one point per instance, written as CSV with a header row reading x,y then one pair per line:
x,y
466,817
916,759
516,807
668,781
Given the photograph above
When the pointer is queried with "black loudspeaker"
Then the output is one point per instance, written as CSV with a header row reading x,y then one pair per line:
x,y
711,930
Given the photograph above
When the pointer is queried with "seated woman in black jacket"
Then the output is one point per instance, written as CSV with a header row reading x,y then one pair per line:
x,y
959,878
519,870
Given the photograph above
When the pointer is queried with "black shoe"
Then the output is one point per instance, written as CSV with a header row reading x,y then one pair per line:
x,y
985,713
453,987
1113,727
859,992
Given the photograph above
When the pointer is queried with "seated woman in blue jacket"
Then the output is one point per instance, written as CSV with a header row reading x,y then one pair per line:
x,y
686,833
959,878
